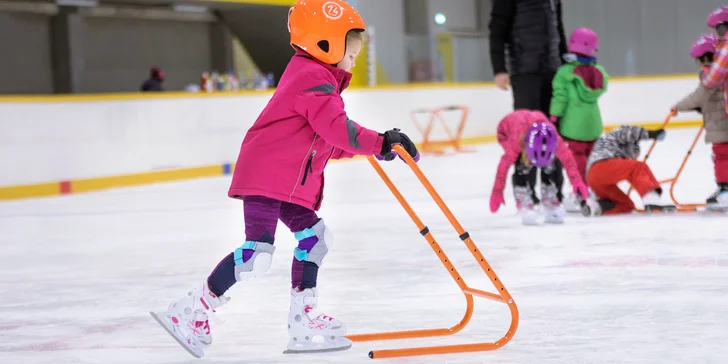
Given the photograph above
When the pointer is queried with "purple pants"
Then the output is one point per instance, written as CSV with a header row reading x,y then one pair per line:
x,y
261,219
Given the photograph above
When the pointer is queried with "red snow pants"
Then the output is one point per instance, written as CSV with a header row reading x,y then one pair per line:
x,y
604,176
720,161
580,150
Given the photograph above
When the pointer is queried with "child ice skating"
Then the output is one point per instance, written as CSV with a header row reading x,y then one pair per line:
x,y
577,87
279,176
614,160
716,76
711,103
531,142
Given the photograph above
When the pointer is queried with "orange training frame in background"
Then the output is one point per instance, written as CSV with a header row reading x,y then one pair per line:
x,y
502,294
690,207
673,181
429,146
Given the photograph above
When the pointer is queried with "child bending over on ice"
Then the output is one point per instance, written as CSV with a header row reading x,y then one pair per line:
x,y
614,160
531,142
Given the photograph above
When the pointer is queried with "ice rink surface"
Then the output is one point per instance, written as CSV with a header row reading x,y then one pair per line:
x,y
79,273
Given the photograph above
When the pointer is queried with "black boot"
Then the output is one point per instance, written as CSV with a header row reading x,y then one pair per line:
x,y
526,176
595,207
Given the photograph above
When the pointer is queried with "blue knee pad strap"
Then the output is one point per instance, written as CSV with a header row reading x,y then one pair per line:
x,y
300,254
238,253
303,234
322,246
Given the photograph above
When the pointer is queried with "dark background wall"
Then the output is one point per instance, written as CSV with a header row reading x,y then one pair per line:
x,y
115,50
51,49
25,64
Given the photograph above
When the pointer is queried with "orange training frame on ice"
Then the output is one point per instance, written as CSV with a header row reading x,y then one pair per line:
x,y
502,294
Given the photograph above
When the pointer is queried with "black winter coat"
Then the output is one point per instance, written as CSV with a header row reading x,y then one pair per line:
x,y
529,34
152,84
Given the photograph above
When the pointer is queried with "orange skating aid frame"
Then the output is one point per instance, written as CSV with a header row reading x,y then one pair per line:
x,y
502,294
681,207
428,146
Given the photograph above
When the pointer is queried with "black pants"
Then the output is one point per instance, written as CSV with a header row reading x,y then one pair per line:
x,y
532,91
525,176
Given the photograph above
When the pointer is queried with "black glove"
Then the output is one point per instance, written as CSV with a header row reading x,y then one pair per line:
x,y
394,136
656,134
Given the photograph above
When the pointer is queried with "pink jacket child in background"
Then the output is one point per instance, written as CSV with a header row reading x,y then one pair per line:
x,y
530,141
716,76
279,175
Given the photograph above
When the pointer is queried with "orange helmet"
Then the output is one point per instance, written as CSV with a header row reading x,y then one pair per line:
x,y
319,27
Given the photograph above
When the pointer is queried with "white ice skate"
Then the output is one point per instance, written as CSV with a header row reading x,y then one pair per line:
x,y
553,209
311,331
591,207
653,203
187,319
526,208
718,201
571,203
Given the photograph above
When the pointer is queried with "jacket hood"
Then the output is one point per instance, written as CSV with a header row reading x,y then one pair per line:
x,y
589,81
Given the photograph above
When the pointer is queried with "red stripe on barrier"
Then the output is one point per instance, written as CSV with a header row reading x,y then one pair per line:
x,y
65,187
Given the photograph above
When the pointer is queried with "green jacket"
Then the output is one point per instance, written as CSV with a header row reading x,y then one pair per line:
x,y
576,89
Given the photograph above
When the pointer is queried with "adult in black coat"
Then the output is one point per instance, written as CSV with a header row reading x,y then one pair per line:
x,y
526,44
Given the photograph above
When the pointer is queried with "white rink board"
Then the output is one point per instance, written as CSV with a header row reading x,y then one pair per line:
x,y
52,141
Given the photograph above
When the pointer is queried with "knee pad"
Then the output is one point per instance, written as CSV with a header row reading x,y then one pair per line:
x,y
323,242
257,265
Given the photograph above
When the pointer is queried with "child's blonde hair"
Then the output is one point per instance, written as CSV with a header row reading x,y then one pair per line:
x,y
354,35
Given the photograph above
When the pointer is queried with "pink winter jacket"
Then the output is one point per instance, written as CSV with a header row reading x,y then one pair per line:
x,y
511,131
284,153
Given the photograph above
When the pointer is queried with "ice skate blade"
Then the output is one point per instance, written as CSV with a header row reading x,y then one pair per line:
x,y
328,350
170,331
321,347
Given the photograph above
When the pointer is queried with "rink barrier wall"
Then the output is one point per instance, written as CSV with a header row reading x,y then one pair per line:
x,y
139,179
65,144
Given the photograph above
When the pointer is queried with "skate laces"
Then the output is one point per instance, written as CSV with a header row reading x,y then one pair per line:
x,y
316,313
310,308
202,327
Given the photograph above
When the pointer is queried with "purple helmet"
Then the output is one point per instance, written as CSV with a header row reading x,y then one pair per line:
x,y
705,44
583,41
718,16
541,143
